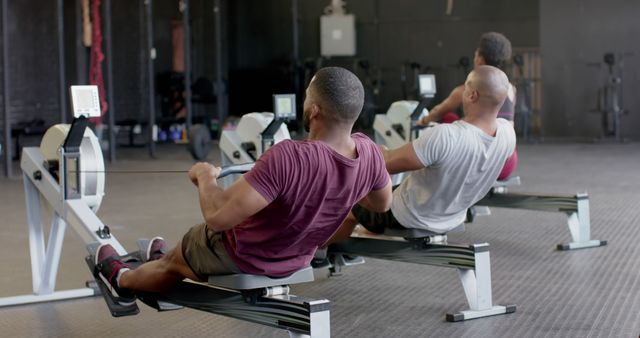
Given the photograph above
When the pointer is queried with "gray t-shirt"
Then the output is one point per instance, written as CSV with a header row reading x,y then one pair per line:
x,y
461,164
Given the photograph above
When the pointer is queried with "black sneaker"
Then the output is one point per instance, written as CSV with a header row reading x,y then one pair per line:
x,y
349,260
109,266
156,249
320,263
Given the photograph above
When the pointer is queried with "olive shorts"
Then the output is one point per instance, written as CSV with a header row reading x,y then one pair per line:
x,y
203,250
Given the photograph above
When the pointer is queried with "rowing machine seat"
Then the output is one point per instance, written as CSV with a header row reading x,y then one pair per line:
x,y
248,282
419,233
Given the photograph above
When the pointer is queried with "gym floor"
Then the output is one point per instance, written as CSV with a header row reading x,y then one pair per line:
x,y
583,293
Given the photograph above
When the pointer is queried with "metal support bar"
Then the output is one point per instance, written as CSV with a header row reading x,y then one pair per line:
x,y
71,184
62,84
185,7
45,260
576,207
8,156
36,231
151,76
580,227
299,315
445,255
81,62
320,324
75,212
110,92
477,283
51,262
295,19
221,91
41,298
558,203
477,288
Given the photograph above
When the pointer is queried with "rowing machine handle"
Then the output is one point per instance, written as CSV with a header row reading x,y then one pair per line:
x,y
418,127
415,126
235,169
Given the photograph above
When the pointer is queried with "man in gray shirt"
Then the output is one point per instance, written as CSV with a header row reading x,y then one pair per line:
x,y
452,166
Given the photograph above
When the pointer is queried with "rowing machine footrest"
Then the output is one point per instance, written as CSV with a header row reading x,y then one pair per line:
x,y
116,309
511,181
247,282
344,260
320,254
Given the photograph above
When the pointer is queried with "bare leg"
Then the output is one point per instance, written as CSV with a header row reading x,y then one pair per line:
x,y
159,275
344,231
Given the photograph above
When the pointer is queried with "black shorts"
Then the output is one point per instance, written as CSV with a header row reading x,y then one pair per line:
x,y
375,222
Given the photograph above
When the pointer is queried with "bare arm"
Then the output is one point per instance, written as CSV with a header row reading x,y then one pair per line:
x,y
451,103
401,159
378,200
224,209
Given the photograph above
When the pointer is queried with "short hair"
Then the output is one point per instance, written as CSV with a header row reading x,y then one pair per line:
x,y
339,92
495,48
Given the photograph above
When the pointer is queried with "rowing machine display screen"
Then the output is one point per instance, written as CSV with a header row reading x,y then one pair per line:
x,y
86,101
427,85
284,106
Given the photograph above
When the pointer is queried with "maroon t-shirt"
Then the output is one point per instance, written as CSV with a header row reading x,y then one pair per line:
x,y
310,189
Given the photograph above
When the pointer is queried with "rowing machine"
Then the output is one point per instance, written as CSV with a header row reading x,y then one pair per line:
x,y
396,129
256,132
66,174
254,298
71,199
398,126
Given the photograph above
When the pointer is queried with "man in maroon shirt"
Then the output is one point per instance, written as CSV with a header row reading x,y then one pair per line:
x,y
272,220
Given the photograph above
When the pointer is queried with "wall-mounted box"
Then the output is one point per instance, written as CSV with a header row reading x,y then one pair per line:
x,y
338,35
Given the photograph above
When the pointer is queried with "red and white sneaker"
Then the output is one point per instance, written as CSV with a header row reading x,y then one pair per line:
x,y
109,266
156,249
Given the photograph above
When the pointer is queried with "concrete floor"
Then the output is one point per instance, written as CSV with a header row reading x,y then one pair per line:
x,y
584,293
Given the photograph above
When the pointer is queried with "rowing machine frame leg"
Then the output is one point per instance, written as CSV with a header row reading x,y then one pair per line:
x,y
576,207
477,287
40,186
45,259
580,227
319,326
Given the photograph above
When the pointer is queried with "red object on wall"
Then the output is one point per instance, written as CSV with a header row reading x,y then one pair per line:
x,y
97,57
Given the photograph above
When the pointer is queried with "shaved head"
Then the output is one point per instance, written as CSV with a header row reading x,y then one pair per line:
x,y
491,85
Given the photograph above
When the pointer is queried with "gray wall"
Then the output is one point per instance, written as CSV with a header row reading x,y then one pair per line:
x,y
33,58
129,61
33,61
389,33
573,34
129,43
